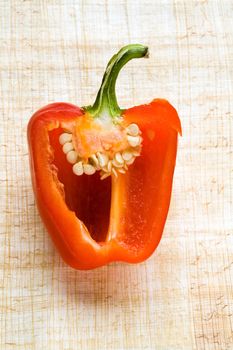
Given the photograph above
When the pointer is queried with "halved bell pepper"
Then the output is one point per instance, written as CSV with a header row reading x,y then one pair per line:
x,y
102,176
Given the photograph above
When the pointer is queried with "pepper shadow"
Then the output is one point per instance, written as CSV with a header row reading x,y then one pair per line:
x,y
111,284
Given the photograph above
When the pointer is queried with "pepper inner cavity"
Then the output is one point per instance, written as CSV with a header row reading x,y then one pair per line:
x,y
94,148
87,196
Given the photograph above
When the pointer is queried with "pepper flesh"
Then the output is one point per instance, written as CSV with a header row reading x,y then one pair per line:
x,y
129,211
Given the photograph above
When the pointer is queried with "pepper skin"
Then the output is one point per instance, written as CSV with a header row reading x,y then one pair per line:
x,y
93,222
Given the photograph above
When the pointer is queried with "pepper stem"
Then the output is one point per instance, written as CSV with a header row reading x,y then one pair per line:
x,y
106,101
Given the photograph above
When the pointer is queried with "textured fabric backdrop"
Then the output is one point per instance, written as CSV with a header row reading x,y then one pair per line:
x,y
182,297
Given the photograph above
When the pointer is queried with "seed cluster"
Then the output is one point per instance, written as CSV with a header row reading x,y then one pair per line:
x,y
103,162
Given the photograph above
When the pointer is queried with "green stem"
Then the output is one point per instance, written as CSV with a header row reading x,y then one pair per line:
x,y
106,101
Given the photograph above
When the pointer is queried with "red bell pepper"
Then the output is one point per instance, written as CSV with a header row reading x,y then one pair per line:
x,y
102,176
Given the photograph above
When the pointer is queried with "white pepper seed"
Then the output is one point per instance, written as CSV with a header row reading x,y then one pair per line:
x,y
127,155
116,164
134,141
88,169
68,146
103,159
78,168
122,171
118,158
72,156
114,172
133,129
128,162
104,176
109,166
65,137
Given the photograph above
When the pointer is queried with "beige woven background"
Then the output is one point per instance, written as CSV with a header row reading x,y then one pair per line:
x,y
182,297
